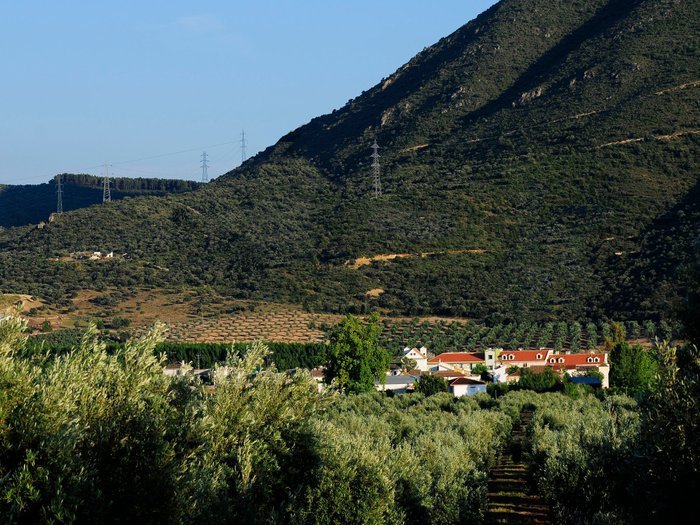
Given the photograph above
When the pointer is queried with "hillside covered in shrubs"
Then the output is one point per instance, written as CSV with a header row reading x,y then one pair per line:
x,y
538,164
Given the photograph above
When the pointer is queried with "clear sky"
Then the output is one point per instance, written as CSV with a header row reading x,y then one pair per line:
x,y
88,82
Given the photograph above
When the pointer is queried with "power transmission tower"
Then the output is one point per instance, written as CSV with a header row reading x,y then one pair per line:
x,y
59,195
376,170
106,194
205,166
243,155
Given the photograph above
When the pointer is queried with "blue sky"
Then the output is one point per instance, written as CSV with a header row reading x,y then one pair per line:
x,y
88,82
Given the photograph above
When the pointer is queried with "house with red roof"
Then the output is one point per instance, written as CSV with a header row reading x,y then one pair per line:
x,y
524,358
578,365
464,386
460,361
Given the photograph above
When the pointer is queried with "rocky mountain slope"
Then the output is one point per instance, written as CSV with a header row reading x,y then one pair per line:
x,y
540,162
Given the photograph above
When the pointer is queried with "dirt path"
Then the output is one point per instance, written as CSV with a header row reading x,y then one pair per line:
x,y
512,497
358,263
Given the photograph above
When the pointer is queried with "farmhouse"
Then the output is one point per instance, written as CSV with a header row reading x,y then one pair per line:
x,y
177,369
461,361
524,358
579,365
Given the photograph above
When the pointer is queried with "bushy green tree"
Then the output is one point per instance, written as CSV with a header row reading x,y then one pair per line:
x,y
429,385
86,436
591,336
253,443
671,435
426,461
580,449
544,381
633,369
355,357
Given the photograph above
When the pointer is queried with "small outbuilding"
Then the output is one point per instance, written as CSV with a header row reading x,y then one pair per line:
x,y
464,386
398,384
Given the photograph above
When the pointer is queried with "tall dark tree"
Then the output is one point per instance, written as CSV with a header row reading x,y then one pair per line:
x,y
356,359
429,385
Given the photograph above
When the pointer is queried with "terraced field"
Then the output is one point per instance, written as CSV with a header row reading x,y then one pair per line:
x,y
276,326
279,323
202,317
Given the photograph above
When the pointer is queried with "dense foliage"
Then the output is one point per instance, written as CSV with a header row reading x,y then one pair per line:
x,y
286,356
355,358
429,385
99,437
633,369
506,137
407,459
618,460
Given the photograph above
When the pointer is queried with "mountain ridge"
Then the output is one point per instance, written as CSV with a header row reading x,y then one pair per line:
x,y
516,147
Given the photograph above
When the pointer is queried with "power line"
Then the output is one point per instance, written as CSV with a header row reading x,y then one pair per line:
x,y
243,155
205,167
161,155
59,195
106,193
376,170
174,153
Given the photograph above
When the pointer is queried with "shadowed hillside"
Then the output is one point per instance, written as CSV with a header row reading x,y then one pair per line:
x,y
33,203
534,162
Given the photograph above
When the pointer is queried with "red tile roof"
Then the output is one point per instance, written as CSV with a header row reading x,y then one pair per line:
x,y
466,381
523,355
446,374
457,357
574,360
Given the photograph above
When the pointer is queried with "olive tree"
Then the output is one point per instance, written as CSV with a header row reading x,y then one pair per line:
x,y
356,358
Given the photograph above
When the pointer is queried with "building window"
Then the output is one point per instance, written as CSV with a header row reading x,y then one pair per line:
x,y
561,359
596,360
539,356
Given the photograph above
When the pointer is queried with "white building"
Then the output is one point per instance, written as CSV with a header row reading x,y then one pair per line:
x,y
398,384
419,355
464,386
524,358
461,361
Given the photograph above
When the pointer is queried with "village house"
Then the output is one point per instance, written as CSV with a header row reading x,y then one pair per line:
x,y
464,386
460,361
465,362
524,358
579,365
177,369
400,384
318,374
419,355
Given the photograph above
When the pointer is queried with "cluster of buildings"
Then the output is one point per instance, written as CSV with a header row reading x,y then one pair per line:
x,y
464,370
